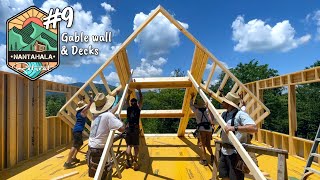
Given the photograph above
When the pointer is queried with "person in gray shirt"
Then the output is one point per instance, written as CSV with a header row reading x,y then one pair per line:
x,y
241,124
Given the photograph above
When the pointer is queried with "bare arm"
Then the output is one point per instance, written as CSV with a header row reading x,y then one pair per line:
x,y
250,128
128,98
122,128
84,111
192,103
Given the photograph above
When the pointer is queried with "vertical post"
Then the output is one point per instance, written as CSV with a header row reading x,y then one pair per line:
x,y
42,118
12,120
292,117
282,167
35,102
2,122
26,118
216,162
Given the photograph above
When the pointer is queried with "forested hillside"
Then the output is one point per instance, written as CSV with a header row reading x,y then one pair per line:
x,y
308,98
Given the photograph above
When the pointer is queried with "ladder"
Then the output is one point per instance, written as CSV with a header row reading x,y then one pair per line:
x,y
313,153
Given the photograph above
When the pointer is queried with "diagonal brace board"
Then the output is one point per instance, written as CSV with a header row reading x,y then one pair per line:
x,y
235,142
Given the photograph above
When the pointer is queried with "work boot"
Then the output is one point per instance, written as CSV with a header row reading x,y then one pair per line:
x,y
75,160
136,166
68,165
128,164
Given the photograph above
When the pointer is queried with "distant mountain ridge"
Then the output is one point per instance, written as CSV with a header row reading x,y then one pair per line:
x,y
98,86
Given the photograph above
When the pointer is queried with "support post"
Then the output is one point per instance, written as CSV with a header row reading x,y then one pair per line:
x,y
292,117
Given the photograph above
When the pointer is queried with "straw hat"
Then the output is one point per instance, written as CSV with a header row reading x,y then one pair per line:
x,y
233,99
81,105
200,103
101,103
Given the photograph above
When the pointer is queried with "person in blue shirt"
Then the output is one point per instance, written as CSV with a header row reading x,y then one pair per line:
x,y
81,116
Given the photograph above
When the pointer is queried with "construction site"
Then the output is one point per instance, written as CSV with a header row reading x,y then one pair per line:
x,y
33,146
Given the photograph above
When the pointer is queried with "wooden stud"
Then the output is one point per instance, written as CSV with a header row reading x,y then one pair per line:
x,y
105,83
26,121
58,131
93,87
36,107
12,120
223,83
282,167
210,75
292,117
43,140
20,118
234,88
2,121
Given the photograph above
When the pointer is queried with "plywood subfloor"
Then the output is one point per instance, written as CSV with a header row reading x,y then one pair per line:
x,y
160,158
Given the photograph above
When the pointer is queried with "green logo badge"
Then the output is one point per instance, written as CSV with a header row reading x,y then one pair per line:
x,y
32,50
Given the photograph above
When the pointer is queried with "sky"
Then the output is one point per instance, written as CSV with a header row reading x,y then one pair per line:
x,y
284,34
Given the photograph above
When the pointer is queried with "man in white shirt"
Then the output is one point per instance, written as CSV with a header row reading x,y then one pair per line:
x,y
104,122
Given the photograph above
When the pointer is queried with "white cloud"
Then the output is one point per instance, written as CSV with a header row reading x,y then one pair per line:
x,y
112,79
3,63
47,5
146,70
108,7
256,35
59,78
159,62
10,8
158,37
316,18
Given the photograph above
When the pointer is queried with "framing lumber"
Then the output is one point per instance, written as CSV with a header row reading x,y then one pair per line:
x,y
210,75
177,113
292,117
43,140
66,175
58,131
240,149
301,77
104,155
2,121
160,82
36,108
12,120
20,119
223,83
105,83
26,121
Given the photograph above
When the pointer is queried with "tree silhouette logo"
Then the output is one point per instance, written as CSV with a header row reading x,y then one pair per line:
x,y
32,50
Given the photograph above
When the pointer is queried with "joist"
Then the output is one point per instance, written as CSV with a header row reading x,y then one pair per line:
x,y
210,75
93,87
2,121
105,83
223,83
36,107
26,121
12,120
235,142
160,82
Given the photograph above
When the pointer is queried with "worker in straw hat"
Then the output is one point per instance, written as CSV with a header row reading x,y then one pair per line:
x,y
104,122
204,126
81,119
241,124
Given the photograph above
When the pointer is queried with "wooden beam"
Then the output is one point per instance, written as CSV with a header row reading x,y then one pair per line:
x,y
240,149
234,87
223,83
58,131
26,121
20,118
104,155
2,121
292,113
12,120
105,83
42,118
36,107
210,75
93,87
66,175
177,113
160,82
